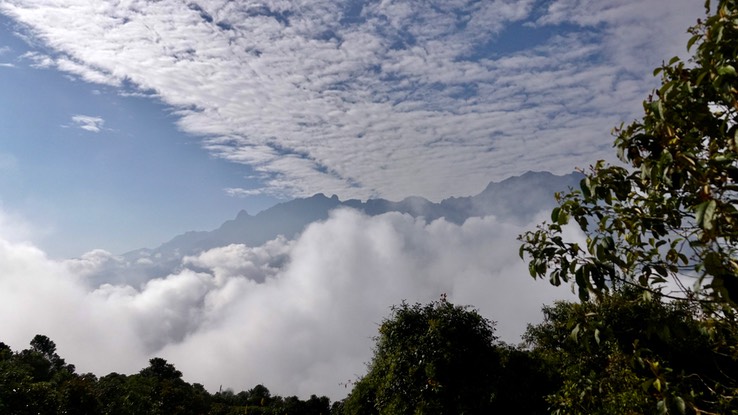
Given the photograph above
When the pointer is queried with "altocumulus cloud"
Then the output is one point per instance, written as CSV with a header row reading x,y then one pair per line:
x,y
367,98
296,315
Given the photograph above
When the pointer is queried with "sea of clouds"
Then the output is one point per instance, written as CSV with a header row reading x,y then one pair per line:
x,y
295,315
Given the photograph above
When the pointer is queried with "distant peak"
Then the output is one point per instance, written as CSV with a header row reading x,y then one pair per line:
x,y
242,214
528,176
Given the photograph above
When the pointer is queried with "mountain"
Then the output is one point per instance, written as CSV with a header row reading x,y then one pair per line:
x,y
516,199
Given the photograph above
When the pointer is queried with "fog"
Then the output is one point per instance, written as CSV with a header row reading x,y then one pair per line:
x,y
295,315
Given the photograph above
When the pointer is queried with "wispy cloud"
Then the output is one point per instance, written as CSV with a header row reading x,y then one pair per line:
x,y
378,98
88,123
239,192
38,60
4,50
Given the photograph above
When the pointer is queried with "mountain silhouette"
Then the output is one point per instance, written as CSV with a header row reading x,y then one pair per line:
x,y
516,199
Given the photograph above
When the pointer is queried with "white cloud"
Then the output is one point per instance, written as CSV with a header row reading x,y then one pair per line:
x,y
88,123
296,315
401,97
38,60
239,192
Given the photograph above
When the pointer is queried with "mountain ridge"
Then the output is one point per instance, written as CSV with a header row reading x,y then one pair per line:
x,y
516,199
289,218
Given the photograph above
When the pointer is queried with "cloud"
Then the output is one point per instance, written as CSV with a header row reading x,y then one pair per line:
x,y
377,98
38,60
4,50
88,123
296,315
239,192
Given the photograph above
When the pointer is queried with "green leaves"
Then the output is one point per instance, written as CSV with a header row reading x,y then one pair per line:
x,y
726,70
680,184
705,214
433,358
668,216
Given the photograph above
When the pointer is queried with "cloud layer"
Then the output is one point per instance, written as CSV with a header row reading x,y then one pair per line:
x,y
296,315
375,98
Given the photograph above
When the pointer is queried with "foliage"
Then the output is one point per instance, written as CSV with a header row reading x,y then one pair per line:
x,y
671,213
38,381
525,380
429,359
621,355
666,217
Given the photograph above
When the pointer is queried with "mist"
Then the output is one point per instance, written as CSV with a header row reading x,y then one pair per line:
x,y
297,315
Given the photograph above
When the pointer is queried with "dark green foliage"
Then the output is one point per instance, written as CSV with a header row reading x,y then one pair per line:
x,y
525,380
668,217
430,359
36,381
672,212
621,355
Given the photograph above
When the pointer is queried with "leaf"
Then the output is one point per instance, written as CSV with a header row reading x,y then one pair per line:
x,y
704,213
597,336
555,214
692,40
727,70
555,280
708,221
575,333
681,407
713,264
661,407
563,218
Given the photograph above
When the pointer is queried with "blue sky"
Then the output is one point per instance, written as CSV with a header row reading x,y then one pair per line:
x,y
126,123
133,181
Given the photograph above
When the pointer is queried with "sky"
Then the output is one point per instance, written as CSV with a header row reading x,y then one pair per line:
x,y
125,123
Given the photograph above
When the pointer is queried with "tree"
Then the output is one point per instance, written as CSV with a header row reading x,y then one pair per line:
x,y
526,378
669,214
665,222
620,355
429,359
168,393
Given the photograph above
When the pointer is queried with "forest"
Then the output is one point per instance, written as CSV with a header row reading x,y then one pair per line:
x,y
616,355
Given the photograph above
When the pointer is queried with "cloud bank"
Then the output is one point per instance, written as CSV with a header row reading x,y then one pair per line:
x,y
375,98
296,315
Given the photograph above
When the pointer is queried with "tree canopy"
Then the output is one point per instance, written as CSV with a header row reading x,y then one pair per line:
x,y
668,217
429,359
619,355
37,381
661,225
